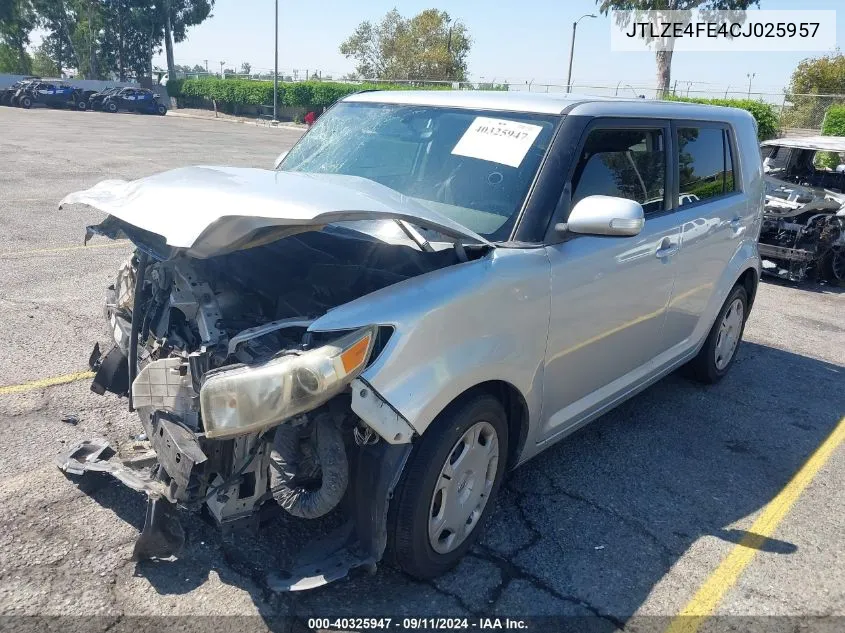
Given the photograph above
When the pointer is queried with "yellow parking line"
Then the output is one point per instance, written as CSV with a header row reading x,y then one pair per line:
x,y
714,589
46,382
64,249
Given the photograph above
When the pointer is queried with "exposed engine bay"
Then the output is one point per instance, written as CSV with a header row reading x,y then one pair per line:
x,y
803,231
241,404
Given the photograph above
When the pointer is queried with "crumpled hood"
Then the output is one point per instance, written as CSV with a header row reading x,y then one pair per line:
x,y
210,210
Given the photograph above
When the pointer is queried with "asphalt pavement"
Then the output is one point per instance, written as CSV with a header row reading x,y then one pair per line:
x,y
622,524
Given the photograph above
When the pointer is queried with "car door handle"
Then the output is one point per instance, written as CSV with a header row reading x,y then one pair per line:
x,y
666,249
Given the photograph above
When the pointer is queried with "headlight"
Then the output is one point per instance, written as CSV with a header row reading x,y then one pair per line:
x,y
250,399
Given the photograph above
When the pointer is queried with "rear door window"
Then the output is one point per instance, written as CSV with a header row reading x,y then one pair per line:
x,y
705,164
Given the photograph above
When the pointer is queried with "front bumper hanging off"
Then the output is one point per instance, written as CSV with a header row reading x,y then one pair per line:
x,y
359,543
162,535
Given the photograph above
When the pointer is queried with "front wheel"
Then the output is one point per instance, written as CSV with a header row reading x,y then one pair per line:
x,y
719,351
446,491
111,107
81,106
161,109
25,102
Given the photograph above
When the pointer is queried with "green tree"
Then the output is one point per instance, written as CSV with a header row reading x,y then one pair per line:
x,y
10,60
43,65
811,81
663,56
819,75
74,34
427,46
176,17
17,19
100,37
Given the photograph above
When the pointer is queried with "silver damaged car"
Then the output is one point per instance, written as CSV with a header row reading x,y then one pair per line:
x,y
429,289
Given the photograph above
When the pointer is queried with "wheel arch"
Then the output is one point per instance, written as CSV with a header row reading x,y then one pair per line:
x,y
516,411
750,280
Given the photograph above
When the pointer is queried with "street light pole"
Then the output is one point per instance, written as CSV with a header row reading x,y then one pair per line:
x,y
750,77
572,49
276,71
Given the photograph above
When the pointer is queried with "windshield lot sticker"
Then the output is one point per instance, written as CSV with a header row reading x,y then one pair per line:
x,y
497,140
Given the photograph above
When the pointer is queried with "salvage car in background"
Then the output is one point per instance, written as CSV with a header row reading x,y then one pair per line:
x,y
134,100
7,94
95,101
50,94
803,232
430,289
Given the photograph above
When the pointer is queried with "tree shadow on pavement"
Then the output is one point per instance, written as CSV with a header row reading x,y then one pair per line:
x,y
592,525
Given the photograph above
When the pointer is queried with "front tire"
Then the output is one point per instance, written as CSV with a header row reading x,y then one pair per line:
x,y
448,486
111,107
25,103
719,351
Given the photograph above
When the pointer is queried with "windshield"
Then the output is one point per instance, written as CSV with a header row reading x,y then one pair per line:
x,y
472,166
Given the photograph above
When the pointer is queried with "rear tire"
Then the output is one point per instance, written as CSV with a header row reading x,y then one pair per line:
x,y
81,106
26,102
468,440
719,350
161,109
110,107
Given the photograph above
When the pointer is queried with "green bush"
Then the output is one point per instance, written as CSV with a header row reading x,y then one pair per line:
x,y
763,113
233,93
834,121
834,125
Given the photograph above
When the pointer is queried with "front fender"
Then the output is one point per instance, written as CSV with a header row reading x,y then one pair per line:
x,y
456,328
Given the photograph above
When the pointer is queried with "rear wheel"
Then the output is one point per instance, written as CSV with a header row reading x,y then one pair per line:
x,y
111,106
836,265
719,350
446,491
161,109
25,102
81,105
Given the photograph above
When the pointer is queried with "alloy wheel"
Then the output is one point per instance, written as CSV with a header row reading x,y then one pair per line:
x,y
729,332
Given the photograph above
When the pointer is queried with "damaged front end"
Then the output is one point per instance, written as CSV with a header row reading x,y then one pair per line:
x,y
243,403
803,230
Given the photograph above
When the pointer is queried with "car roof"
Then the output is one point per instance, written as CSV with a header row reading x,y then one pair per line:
x,y
818,143
553,103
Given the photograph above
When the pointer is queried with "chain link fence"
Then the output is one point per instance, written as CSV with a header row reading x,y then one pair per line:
x,y
798,114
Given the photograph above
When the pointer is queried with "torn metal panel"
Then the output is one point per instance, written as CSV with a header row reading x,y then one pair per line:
x,y
93,455
379,415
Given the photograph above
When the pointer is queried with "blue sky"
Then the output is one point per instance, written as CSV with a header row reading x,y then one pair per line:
x,y
514,41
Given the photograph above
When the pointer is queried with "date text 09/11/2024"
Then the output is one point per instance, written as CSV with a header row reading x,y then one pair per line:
x,y
415,624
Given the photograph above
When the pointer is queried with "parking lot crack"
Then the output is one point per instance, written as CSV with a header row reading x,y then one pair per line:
x,y
461,602
510,571
637,525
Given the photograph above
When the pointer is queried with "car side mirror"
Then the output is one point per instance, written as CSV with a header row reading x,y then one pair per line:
x,y
606,215
279,160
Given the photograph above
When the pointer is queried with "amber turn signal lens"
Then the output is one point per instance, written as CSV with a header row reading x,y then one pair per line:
x,y
354,356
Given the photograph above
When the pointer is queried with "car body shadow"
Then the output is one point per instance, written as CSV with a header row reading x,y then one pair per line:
x,y
822,287
589,527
